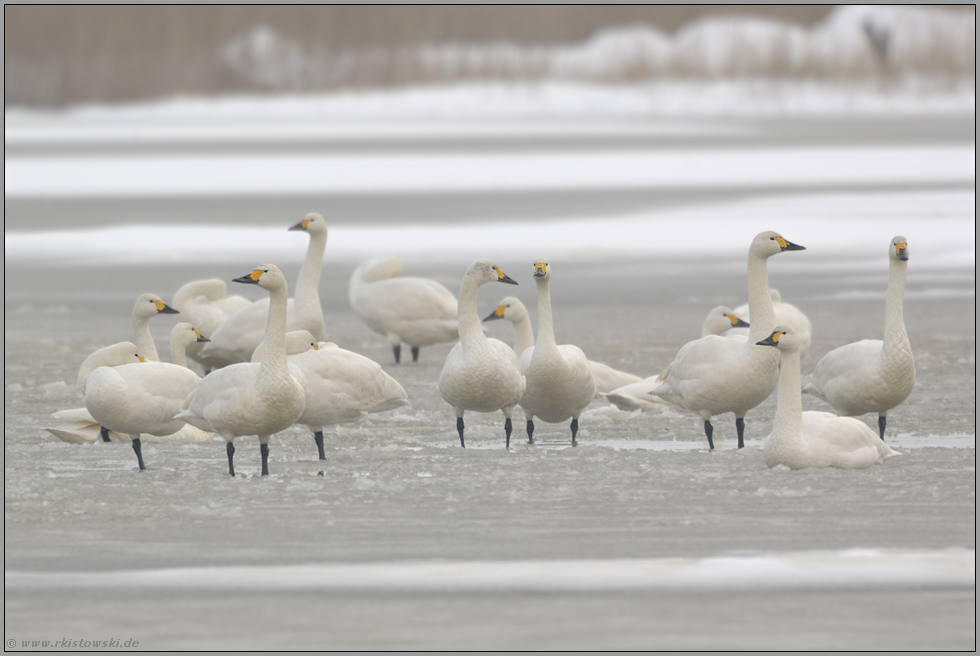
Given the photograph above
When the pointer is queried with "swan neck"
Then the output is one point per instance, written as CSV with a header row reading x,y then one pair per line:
x,y
273,363
546,325
468,317
763,319
144,339
895,335
525,334
308,283
178,352
789,401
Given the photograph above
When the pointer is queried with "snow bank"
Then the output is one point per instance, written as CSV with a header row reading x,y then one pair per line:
x,y
858,569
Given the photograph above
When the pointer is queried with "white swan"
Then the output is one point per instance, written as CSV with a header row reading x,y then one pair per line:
x,y
813,439
559,379
714,375
139,399
206,305
341,386
81,427
251,398
480,374
148,306
417,311
513,310
637,396
872,375
786,314
236,338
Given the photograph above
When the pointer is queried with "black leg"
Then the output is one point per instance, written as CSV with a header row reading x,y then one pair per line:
x,y
508,427
574,431
105,434
530,432
740,427
138,448
230,448
318,438
415,354
397,348
264,450
881,428
707,431
459,429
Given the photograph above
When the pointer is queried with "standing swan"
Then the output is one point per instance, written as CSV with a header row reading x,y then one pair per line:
x,y
341,386
512,309
813,439
480,374
417,311
714,375
238,336
639,396
559,380
872,375
251,398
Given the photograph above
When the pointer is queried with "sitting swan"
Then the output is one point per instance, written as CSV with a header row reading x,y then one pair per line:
x,y
341,386
480,373
559,379
872,375
638,396
786,314
714,375
236,338
512,309
252,398
417,311
206,305
137,399
82,427
813,439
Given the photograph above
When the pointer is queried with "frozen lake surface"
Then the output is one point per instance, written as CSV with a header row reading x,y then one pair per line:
x,y
637,539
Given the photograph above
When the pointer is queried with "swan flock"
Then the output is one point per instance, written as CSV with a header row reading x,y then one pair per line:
x,y
268,365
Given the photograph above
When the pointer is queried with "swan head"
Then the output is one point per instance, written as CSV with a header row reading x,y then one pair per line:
x,y
899,249
509,308
185,334
150,305
783,338
266,276
312,223
485,271
297,341
721,319
766,244
542,270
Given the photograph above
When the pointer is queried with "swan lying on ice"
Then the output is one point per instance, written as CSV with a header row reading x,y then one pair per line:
x,y
813,439
872,375
513,310
715,375
417,311
480,373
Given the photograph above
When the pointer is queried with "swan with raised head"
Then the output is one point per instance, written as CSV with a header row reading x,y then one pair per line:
x,y
513,310
236,338
786,314
341,386
872,375
559,380
206,304
417,311
250,398
637,396
148,306
134,400
813,439
480,374
715,375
